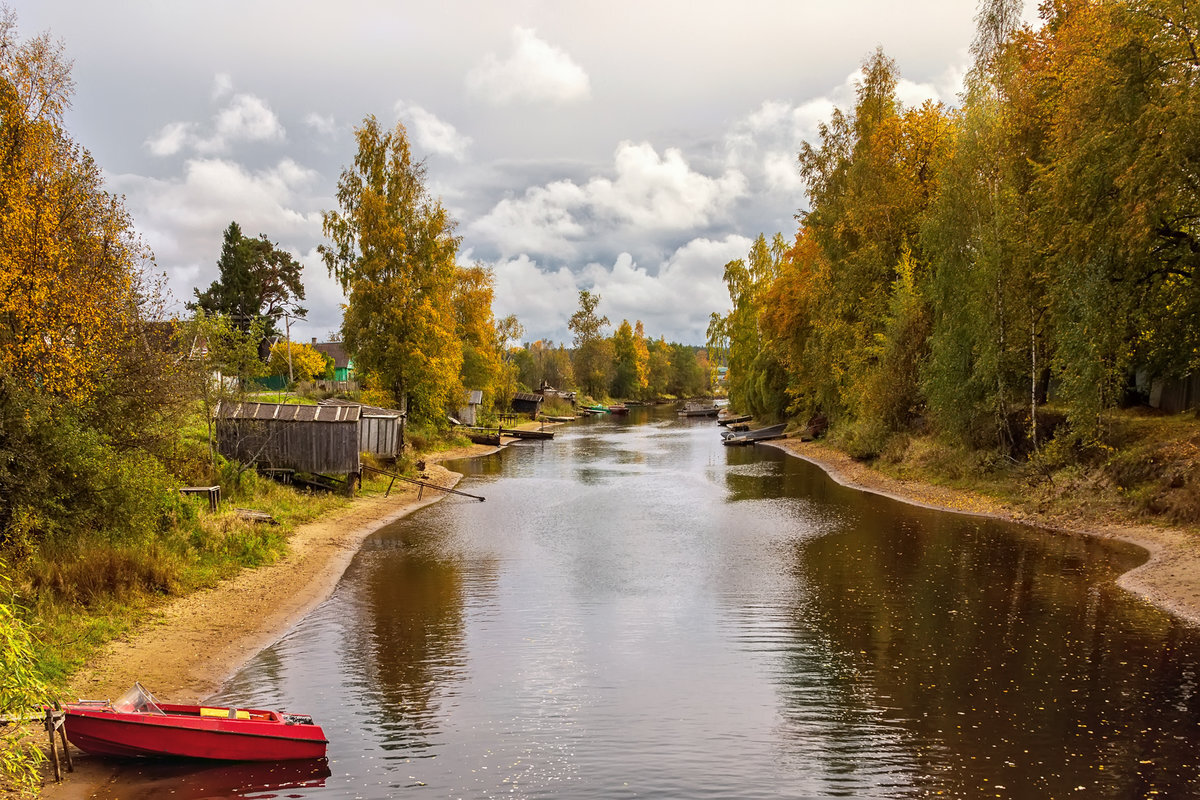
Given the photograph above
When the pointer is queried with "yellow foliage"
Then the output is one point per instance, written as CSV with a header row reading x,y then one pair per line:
x,y
68,259
307,362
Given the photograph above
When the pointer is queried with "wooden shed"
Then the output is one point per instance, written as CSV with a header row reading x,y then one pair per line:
x,y
527,403
380,430
313,439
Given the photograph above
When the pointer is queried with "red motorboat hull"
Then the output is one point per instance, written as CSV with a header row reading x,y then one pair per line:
x,y
183,733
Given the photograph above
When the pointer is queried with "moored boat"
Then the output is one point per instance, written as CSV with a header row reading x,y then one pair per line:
x,y
756,435
618,408
138,725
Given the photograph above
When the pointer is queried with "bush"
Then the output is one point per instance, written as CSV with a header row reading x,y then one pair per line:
x,y
21,691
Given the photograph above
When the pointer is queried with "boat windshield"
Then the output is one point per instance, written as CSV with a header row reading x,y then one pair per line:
x,y
137,700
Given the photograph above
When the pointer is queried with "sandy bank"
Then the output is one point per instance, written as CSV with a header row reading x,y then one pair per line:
x,y
190,646
1170,579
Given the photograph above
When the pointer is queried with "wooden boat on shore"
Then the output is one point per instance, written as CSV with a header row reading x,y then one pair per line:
x,y
733,419
483,436
138,725
756,435
520,433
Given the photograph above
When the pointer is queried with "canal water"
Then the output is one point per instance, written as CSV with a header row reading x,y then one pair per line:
x,y
637,611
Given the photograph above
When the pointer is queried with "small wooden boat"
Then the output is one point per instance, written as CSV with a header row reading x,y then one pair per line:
x,y
138,725
594,410
558,419
482,436
519,433
733,419
694,409
618,408
756,435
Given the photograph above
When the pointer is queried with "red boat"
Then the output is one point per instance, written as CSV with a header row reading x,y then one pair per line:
x,y
138,725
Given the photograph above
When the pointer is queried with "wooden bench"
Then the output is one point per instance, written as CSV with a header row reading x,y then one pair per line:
x,y
213,492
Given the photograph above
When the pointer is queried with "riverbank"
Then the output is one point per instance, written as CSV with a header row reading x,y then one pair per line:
x,y
1170,578
187,648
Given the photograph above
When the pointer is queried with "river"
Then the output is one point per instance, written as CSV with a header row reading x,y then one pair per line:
x,y
638,611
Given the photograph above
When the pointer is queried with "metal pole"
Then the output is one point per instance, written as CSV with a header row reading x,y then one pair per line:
x,y
287,324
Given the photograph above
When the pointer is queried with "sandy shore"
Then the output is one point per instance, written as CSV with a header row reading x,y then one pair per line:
x,y
190,646
1170,579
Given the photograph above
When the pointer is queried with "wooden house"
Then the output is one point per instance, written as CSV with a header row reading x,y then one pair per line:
x,y
343,364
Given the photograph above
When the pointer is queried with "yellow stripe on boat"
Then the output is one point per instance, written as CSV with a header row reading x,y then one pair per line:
x,y
223,712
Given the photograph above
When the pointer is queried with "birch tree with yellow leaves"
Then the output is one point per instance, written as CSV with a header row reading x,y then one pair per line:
x,y
392,247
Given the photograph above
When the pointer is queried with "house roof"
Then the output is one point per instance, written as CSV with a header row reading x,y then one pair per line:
x,y
287,412
528,397
336,351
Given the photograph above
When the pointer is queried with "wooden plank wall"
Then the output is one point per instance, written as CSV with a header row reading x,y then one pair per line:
x,y
379,435
316,447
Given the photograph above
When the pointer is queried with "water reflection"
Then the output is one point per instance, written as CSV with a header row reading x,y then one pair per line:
x,y
637,611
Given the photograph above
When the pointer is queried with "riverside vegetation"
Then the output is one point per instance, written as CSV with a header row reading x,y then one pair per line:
x,y
986,295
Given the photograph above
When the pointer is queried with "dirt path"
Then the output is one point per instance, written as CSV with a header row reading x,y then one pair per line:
x,y
1170,579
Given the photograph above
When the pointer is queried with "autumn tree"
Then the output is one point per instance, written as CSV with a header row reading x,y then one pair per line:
x,y
756,378
593,358
1121,207
297,360
543,362
88,400
630,361
69,259
483,366
990,336
392,248
871,179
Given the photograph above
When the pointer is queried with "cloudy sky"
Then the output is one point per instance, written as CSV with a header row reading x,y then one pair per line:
x,y
628,148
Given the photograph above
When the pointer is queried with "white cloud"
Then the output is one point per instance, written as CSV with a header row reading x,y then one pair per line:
x,y
182,219
648,193
674,302
542,299
431,133
322,124
222,85
535,72
171,139
245,118
677,300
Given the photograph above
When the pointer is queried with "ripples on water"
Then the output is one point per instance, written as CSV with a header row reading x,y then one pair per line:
x,y
637,611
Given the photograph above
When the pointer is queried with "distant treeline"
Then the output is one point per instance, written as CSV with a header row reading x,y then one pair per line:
x,y
627,364
958,269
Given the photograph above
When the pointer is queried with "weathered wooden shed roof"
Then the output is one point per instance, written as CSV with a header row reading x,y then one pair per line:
x,y
377,411
528,397
288,412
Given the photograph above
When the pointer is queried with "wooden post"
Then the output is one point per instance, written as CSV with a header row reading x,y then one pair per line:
x,y
55,722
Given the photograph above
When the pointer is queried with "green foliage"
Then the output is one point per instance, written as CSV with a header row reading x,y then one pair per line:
x,y
392,248
258,282
593,358
22,691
